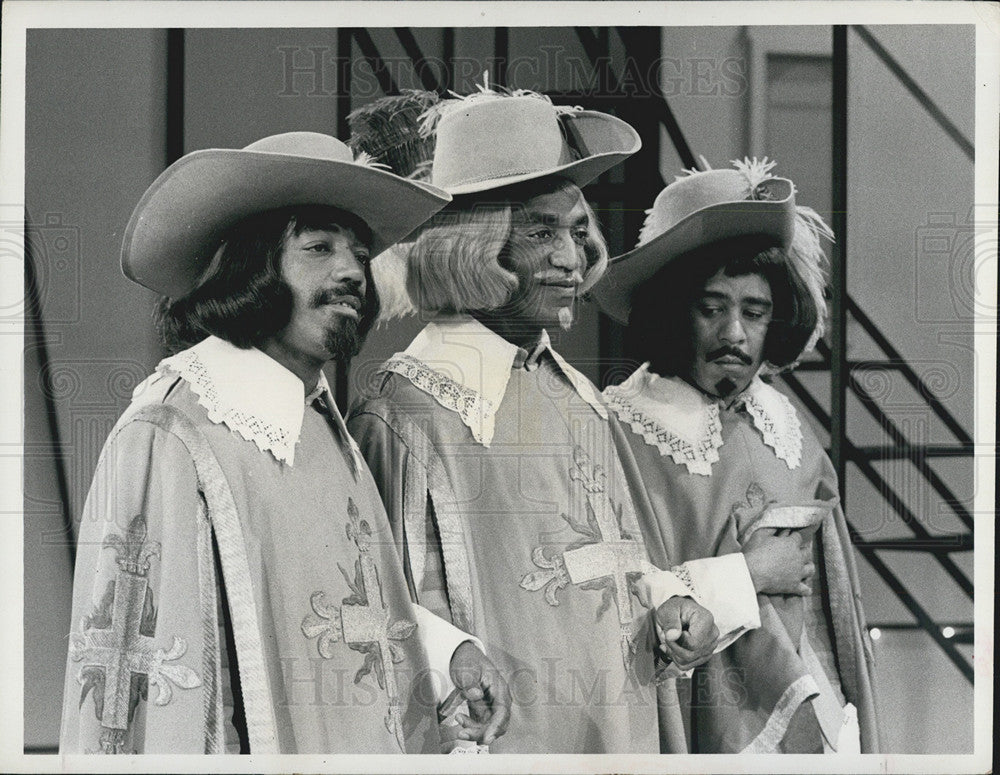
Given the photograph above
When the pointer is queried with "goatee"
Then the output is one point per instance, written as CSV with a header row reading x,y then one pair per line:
x,y
344,341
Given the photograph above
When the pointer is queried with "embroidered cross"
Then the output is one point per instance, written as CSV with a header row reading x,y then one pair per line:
x,y
116,644
363,622
610,561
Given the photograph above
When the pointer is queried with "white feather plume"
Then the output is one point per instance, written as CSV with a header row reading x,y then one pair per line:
x,y
810,261
365,159
755,170
484,93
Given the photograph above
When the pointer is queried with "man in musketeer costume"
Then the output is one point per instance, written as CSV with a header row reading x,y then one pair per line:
x,y
726,289
237,587
495,457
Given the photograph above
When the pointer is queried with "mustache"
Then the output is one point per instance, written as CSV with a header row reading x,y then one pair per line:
x,y
347,293
559,278
725,350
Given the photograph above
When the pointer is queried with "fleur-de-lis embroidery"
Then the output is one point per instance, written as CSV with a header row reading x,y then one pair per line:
x,y
750,508
133,553
324,623
551,578
362,621
608,557
115,643
162,675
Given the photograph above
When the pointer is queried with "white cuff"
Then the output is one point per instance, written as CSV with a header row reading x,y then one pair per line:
x,y
720,584
725,588
440,638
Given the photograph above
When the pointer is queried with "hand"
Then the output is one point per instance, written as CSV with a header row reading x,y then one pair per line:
x,y
479,683
687,631
780,561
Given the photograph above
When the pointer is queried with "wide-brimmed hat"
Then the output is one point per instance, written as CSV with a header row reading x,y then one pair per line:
x,y
492,139
178,224
697,209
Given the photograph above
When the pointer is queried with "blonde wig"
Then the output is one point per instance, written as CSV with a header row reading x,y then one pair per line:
x,y
457,262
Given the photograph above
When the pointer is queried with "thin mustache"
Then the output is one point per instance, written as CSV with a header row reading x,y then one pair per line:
x,y
549,278
333,295
714,355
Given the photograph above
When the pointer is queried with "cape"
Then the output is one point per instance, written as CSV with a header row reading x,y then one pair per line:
x,y
703,478
223,599
524,535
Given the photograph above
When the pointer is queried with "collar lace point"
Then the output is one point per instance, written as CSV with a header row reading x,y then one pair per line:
x,y
269,437
684,425
481,361
658,428
775,417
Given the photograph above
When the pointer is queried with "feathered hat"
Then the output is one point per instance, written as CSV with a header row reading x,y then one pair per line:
x,y
494,138
484,141
178,224
701,207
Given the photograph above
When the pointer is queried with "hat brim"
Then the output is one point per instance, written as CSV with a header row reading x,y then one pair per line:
x,y
605,139
176,228
767,218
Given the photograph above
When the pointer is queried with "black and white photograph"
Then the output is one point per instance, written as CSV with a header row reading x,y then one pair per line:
x,y
563,386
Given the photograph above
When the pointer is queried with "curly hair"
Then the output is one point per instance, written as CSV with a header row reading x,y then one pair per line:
x,y
457,262
242,296
660,324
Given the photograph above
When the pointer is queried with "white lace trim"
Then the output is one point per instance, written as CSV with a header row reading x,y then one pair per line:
x,y
476,411
268,437
775,417
698,457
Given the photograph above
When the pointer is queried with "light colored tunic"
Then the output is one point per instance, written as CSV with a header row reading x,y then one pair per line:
x,y
504,489
713,475
218,464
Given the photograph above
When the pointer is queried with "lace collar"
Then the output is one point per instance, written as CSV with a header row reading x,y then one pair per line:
x,y
252,394
684,424
465,367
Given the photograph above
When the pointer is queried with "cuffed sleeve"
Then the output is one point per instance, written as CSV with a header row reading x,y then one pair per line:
x,y
720,584
441,638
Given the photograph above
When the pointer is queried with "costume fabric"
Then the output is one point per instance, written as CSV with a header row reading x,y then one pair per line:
x,y
505,492
225,508
712,475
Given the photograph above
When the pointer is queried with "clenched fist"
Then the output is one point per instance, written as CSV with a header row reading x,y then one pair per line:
x,y
687,631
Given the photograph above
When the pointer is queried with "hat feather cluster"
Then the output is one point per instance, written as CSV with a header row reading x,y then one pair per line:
x,y
484,93
806,252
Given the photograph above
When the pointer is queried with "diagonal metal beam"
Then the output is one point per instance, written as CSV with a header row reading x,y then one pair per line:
x,y
412,49
36,325
371,54
884,489
916,382
664,113
892,430
924,619
942,120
